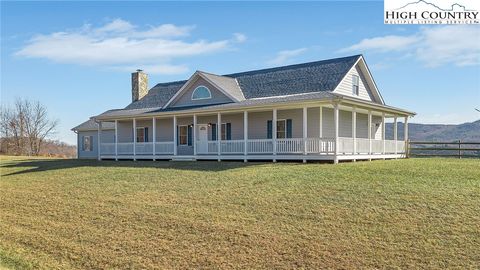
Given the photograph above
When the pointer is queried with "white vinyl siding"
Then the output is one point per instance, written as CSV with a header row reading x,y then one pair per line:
x,y
362,125
345,87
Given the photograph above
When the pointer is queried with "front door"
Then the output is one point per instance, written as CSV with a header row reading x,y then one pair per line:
x,y
202,139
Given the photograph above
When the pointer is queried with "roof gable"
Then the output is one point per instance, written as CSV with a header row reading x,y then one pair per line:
x,y
361,67
226,85
185,98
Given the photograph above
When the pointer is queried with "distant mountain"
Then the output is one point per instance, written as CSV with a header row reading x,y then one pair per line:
x,y
435,132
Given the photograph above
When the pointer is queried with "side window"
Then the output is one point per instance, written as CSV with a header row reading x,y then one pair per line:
x,y
87,143
355,83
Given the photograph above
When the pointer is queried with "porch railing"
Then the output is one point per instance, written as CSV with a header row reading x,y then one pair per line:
x,y
265,146
125,148
377,146
345,145
107,148
232,147
290,146
164,148
260,146
144,148
363,146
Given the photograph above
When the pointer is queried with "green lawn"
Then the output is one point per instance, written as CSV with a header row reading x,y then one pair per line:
x,y
416,213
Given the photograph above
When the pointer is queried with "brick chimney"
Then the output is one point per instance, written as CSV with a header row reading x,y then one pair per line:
x,y
139,85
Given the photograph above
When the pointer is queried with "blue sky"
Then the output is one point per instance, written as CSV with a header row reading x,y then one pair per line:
x,y
76,57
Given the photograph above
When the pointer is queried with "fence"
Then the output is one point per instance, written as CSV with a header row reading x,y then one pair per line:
x,y
444,149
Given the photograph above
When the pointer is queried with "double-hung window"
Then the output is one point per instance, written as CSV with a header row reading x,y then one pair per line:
x,y
355,83
281,129
223,132
87,143
142,134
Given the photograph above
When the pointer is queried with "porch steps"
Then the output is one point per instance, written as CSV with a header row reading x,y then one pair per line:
x,y
183,159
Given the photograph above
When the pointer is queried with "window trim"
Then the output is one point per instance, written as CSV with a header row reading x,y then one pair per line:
x,y
196,88
180,135
285,128
355,87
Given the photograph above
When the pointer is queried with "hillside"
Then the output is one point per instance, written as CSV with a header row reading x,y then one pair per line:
x,y
436,132
85,214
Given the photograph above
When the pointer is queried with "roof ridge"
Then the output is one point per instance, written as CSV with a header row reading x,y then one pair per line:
x,y
325,61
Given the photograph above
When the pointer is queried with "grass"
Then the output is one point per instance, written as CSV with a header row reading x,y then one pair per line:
x,y
77,214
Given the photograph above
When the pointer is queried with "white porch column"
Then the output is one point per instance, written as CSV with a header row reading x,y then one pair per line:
x,y
395,135
134,138
245,135
305,131
99,140
383,133
405,135
354,130
335,132
274,133
219,135
116,140
175,135
369,132
194,134
154,135
320,134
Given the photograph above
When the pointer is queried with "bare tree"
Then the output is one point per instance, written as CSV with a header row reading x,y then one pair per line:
x,y
26,126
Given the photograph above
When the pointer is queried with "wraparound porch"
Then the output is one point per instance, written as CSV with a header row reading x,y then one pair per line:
x,y
303,137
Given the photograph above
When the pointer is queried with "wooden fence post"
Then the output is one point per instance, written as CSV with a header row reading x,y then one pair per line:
x,y
459,149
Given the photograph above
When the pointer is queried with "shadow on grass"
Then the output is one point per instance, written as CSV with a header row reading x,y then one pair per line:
x,y
39,165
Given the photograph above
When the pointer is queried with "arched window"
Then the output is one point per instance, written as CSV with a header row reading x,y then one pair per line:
x,y
201,92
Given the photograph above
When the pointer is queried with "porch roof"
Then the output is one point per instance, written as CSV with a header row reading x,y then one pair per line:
x,y
90,124
246,104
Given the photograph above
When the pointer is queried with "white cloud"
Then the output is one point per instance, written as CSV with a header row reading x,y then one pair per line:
x,y
434,46
239,37
120,44
283,57
450,44
117,25
383,44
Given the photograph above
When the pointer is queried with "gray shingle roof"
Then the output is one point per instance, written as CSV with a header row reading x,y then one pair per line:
x,y
91,125
157,96
295,79
287,80
227,84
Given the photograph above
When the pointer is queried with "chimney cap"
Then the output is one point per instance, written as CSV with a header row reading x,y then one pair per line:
x,y
139,70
